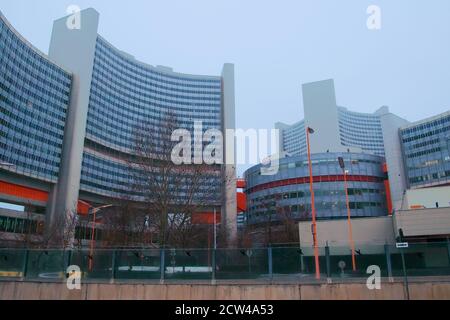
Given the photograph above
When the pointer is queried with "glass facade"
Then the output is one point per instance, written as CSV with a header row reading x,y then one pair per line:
x,y
34,97
426,154
294,139
287,192
361,130
126,93
356,129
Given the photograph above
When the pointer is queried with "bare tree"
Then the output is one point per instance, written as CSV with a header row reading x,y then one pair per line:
x,y
170,193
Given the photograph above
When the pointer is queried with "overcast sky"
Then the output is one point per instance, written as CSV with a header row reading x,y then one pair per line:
x,y
278,45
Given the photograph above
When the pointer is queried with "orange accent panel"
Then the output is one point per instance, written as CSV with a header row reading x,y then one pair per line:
x,y
387,188
388,196
241,183
205,218
241,202
23,192
83,208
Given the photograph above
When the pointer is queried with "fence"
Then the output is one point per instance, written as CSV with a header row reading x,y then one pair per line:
x,y
291,264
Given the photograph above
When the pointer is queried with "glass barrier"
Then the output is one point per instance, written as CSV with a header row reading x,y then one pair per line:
x,y
12,262
137,264
242,263
309,263
298,264
288,261
188,264
430,259
47,264
99,268
341,261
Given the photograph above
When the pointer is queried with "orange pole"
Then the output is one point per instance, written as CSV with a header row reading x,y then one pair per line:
x,y
350,231
209,246
313,209
91,253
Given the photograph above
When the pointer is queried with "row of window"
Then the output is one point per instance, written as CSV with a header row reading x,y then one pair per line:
x,y
108,76
426,126
423,152
306,193
146,73
425,134
20,226
428,178
304,211
319,162
15,45
17,76
421,144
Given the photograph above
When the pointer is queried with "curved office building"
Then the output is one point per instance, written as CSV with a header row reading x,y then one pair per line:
x,y
126,93
287,193
68,119
34,98
34,102
356,130
337,128
361,130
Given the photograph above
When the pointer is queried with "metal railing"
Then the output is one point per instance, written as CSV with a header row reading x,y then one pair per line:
x,y
255,264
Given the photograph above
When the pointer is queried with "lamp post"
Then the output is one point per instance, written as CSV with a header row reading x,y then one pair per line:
x,y
350,231
313,208
215,229
94,211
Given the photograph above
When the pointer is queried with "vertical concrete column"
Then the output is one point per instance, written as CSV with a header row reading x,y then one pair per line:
x,y
390,125
321,114
229,124
74,49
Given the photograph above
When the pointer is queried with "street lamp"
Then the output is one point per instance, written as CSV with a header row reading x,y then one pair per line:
x,y
313,208
94,211
350,231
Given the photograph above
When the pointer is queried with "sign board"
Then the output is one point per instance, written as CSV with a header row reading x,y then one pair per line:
x,y
400,245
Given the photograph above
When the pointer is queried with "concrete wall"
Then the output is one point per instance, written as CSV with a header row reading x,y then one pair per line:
x,y
427,197
390,124
423,222
356,291
370,231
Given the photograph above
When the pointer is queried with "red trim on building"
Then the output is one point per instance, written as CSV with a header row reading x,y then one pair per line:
x,y
241,183
23,192
241,202
83,208
27,194
304,180
388,189
205,218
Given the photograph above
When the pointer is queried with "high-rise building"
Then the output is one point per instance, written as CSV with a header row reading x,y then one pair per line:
x,y
338,129
426,151
67,119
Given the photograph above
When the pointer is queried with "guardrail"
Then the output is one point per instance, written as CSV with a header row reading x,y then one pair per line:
x,y
290,263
